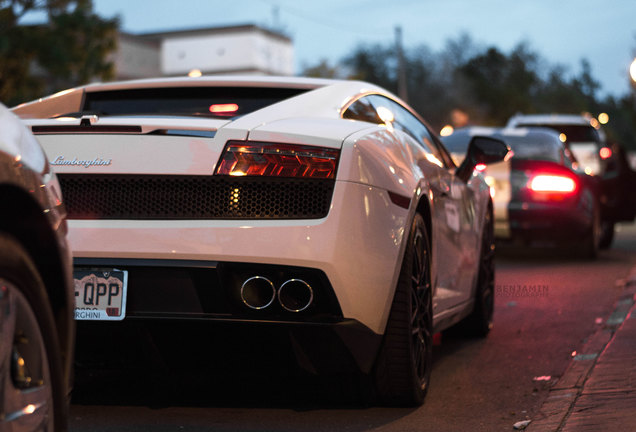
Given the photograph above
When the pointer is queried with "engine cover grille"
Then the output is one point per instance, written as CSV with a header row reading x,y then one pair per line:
x,y
97,196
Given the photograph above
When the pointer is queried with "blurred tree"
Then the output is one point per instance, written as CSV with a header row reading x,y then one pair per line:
x,y
500,85
430,89
576,95
375,63
457,100
558,94
622,126
485,85
322,70
70,49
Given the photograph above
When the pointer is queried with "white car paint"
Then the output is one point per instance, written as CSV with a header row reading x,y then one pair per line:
x,y
363,225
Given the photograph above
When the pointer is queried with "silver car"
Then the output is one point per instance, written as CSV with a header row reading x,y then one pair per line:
x,y
36,292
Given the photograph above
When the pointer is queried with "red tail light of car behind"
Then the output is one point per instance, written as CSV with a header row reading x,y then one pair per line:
x,y
546,181
550,183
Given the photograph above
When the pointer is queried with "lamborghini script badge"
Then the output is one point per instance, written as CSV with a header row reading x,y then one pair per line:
x,y
86,163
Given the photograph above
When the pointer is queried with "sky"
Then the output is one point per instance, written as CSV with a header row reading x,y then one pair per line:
x,y
561,31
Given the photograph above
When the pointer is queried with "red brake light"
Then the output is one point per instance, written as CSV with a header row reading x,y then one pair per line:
x,y
605,153
552,184
224,109
480,167
277,160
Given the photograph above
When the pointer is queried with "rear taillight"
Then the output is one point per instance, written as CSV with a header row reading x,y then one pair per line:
x,y
552,184
242,158
228,109
552,187
605,153
543,181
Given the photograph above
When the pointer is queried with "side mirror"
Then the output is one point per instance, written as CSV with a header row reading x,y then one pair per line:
x,y
481,150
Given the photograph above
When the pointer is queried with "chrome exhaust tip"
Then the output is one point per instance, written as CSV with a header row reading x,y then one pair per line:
x,y
258,292
295,295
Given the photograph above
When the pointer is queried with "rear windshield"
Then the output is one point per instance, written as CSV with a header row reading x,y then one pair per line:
x,y
533,147
225,102
573,133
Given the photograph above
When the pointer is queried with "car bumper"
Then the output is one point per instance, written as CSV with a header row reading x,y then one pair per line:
x,y
338,347
543,222
356,247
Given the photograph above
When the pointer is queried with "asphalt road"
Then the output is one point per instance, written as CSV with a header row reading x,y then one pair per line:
x,y
547,304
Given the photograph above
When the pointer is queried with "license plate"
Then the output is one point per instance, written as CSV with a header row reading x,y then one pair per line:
x,y
100,294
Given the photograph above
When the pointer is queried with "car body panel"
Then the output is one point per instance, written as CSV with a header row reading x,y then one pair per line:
x,y
25,165
132,154
33,205
329,244
322,132
384,176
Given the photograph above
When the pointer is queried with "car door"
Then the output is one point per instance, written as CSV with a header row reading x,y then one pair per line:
x,y
454,235
458,234
618,183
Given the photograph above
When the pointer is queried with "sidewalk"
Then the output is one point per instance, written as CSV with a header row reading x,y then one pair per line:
x,y
598,390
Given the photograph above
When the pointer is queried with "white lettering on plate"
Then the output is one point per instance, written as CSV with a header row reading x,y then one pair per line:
x,y
86,314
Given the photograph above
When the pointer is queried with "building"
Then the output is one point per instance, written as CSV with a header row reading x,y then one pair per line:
x,y
244,50
136,57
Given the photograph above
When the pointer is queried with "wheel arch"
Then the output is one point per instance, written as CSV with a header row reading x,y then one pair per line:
x,y
25,220
423,208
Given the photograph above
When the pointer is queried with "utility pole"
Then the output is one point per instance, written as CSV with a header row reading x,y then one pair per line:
x,y
275,18
401,72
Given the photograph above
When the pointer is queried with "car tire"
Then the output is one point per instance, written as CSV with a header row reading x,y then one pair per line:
x,y
403,368
592,239
607,235
30,366
480,321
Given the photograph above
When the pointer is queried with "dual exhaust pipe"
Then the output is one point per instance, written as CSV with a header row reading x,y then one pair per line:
x,y
294,295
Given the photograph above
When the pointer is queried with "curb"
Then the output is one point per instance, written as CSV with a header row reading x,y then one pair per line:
x,y
559,404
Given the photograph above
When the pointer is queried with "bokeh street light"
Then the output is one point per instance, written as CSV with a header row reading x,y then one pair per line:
x,y
446,131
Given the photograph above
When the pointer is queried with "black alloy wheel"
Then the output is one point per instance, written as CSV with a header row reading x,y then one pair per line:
x,y
403,368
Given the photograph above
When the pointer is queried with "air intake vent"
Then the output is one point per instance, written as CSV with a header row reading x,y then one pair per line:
x,y
194,197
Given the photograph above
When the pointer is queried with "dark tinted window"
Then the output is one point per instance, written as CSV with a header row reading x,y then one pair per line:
x,y
534,147
378,109
226,102
362,110
573,133
405,121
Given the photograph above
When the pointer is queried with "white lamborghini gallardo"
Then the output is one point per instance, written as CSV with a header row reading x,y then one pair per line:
x,y
296,203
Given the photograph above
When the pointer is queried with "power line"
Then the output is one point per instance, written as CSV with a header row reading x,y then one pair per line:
x,y
327,21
